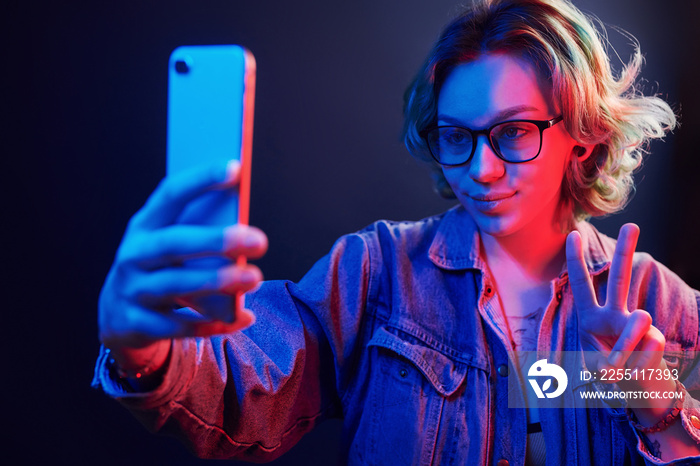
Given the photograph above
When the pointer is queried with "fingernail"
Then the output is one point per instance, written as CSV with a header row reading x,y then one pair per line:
x,y
233,171
248,276
253,239
615,358
230,278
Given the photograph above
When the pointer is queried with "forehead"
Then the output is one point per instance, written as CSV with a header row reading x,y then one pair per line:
x,y
491,86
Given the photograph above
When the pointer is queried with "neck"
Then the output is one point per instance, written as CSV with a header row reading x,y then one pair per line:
x,y
538,252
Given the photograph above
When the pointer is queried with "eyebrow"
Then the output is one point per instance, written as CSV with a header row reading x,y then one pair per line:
x,y
500,116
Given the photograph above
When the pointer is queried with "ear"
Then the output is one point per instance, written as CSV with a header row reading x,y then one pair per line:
x,y
582,151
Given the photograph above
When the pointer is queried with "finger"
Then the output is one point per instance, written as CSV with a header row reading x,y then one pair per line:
x,y
188,323
650,350
222,305
170,246
638,324
162,287
621,267
145,327
244,319
173,193
139,327
236,279
244,240
175,244
580,281
152,326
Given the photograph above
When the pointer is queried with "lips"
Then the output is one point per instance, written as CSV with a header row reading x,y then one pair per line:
x,y
490,196
490,203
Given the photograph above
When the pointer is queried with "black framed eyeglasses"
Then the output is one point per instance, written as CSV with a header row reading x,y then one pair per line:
x,y
514,141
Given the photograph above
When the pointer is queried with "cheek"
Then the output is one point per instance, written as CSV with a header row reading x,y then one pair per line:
x,y
549,180
453,175
558,149
555,162
539,182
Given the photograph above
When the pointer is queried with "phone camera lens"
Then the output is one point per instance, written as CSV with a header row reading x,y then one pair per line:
x,y
182,67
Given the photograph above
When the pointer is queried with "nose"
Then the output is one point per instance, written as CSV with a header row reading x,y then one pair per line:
x,y
485,166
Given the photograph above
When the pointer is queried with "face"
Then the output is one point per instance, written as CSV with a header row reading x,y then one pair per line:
x,y
505,198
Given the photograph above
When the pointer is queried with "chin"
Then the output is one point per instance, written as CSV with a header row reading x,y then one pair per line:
x,y
494,225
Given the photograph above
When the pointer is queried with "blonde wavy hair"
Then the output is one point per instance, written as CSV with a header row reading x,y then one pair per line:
x,y
599,107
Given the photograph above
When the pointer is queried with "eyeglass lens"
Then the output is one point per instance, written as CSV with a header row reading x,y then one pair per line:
x,y
515,141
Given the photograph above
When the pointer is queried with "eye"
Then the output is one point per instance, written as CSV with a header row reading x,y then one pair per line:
x,y
454,137
513,131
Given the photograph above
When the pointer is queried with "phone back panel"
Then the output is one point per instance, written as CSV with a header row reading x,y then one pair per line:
x,y
210,106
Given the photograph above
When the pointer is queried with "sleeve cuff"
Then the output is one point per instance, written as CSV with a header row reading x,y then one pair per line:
x,y
690,419
177,377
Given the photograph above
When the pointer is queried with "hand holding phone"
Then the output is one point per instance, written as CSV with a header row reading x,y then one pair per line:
x,y
186,244
137,303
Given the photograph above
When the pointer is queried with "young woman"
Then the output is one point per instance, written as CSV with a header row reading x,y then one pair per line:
x,y
408,330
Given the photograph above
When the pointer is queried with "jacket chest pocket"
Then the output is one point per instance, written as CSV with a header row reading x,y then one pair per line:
x,y
420,404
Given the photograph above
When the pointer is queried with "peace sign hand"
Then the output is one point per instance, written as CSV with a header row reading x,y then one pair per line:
x,y
619,337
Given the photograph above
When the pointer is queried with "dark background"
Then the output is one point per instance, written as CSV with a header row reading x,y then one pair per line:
x,y
84,126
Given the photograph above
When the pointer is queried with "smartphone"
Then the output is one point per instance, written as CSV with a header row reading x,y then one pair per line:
x,y
211,96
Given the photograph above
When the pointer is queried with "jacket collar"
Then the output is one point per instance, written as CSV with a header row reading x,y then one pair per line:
x,y
457,244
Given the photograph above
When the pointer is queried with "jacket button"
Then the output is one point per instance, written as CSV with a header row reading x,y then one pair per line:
x,y
503,463
488,292
503,372
695,421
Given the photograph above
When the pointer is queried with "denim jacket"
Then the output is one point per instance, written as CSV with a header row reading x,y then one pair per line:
x,y
390,332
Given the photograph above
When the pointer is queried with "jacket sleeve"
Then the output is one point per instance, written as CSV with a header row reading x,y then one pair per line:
x,y
673,306
252,395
